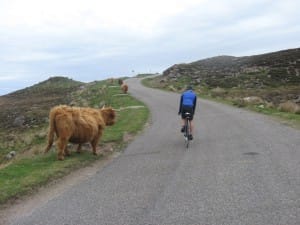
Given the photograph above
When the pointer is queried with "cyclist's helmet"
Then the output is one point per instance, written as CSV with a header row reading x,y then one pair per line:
x,y
189,87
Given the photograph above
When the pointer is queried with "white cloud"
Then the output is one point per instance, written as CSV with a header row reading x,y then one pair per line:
x,y
33,56
83,38
53,30
8,77
77,15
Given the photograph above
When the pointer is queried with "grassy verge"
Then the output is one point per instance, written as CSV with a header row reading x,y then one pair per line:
x,y
32,169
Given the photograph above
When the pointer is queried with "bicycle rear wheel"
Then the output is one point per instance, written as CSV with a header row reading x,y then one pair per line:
x,y
187,133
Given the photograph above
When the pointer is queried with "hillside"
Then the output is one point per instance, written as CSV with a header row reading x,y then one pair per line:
x,y
30,106
267,82
258,71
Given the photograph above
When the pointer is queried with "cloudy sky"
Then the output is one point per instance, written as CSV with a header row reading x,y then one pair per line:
x,y
89,40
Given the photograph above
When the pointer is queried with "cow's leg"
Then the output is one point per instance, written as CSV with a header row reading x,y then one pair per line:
x,y
94,144
61,145
66,151
78,148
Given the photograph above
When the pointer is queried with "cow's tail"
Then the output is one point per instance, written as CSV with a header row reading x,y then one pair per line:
x,y
51,130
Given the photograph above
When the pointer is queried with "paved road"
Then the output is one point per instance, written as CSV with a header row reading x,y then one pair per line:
x,y
242,169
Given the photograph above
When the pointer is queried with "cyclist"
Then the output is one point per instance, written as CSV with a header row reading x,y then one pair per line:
x,y
188,102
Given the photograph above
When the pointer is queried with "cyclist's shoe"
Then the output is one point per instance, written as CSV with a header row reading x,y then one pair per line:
x,y
190,137
182,129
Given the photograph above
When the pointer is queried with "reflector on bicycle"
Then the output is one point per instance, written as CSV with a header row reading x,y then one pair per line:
x,y
188,115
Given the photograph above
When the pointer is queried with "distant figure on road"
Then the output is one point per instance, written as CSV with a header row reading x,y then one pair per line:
x,y
188,101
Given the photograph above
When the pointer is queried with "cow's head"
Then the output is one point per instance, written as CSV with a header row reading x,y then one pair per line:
x,y
109,116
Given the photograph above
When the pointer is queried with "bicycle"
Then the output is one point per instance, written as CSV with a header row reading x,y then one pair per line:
x,y
187,129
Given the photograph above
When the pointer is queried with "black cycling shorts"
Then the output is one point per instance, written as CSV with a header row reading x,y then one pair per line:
x,y
187,109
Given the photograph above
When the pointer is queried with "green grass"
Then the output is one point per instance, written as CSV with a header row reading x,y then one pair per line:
x,y
26,173
290,119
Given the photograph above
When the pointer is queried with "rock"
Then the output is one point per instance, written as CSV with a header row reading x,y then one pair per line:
x,y
253,100
297,100
10,155
19,121
163,81
289,106
261,106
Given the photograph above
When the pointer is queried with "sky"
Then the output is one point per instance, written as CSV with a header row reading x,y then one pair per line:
x,y
89,40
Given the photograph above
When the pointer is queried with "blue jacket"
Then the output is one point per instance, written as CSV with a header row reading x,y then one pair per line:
x,y
188,98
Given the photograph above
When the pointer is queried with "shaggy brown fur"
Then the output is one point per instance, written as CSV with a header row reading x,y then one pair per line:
x,y
77,125
124,88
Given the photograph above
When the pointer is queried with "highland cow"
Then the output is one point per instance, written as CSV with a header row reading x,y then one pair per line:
x,y
124,88
77,125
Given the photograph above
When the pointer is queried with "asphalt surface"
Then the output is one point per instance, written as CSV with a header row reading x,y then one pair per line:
x,y
242,169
